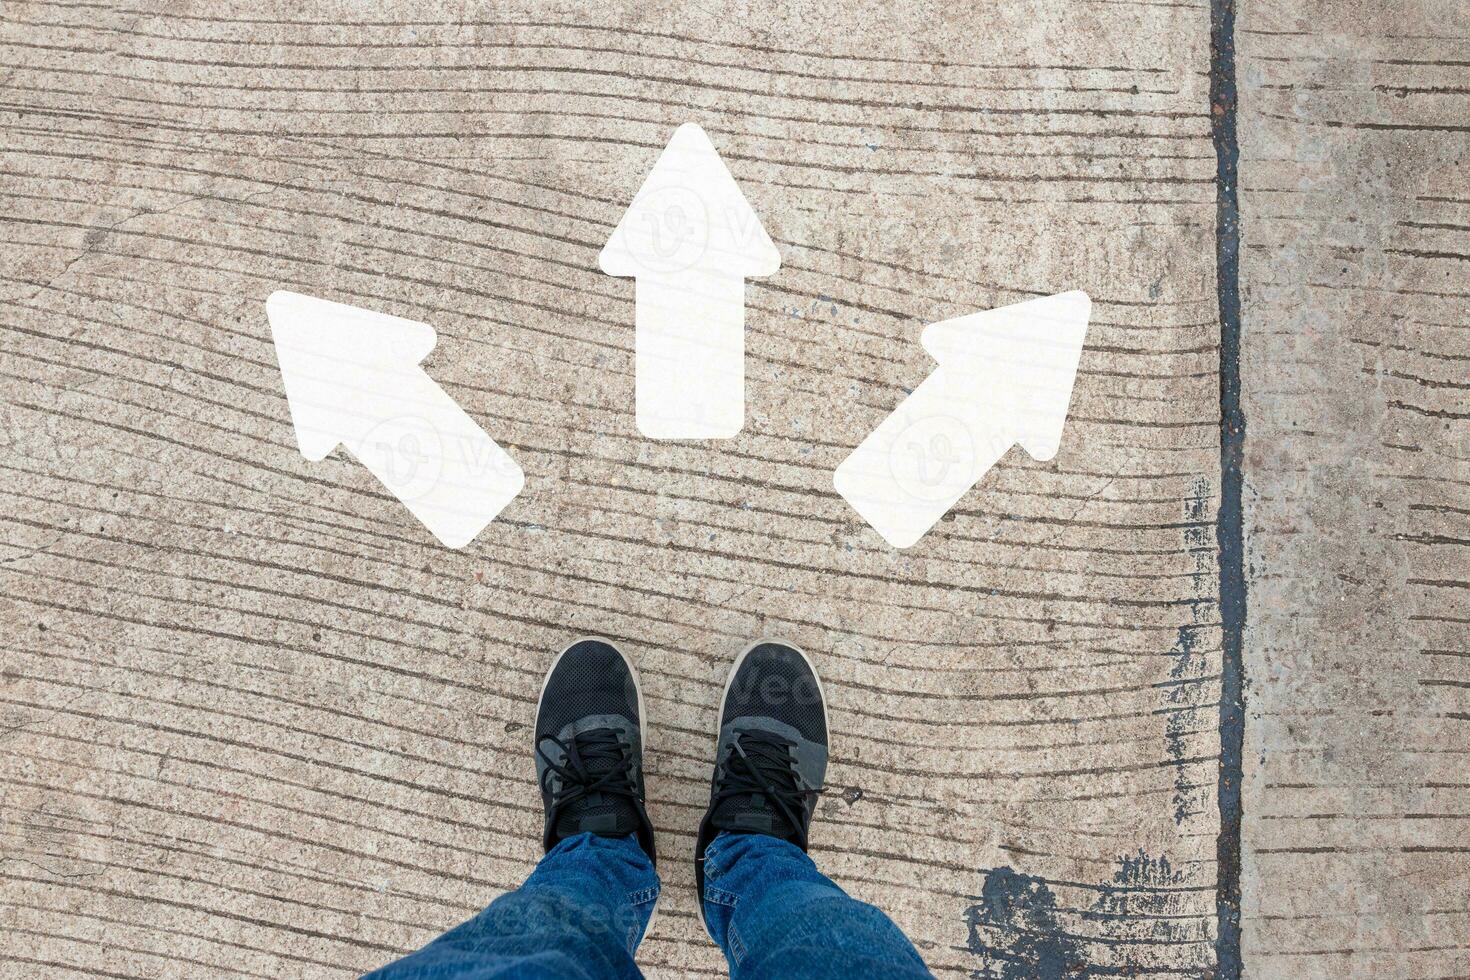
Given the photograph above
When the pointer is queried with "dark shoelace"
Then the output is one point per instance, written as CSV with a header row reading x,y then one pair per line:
x,y
761,763
596,762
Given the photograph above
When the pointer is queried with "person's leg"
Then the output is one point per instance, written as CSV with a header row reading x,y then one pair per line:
x,y
775,915
583,911
761,897
580,915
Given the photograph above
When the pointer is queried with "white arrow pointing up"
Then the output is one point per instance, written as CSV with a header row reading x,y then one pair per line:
x,y
1005,377
689,239
352,377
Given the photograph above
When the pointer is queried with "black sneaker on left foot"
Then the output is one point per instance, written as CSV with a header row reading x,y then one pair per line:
x,y
589,746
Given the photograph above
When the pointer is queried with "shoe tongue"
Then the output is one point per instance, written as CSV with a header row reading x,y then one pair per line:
x,y
752,813
604,814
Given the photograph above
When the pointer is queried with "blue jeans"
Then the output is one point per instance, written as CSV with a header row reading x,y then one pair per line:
x,y
583,911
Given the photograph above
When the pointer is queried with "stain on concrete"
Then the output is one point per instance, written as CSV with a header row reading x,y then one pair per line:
x,y
1018,929
1186,798
1140,886
1015,932
1199,534
1138,911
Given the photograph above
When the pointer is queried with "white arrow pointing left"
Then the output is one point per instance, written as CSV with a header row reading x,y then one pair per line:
x,y
353,378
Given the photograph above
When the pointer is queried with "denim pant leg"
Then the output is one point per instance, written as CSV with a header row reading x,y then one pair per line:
x,y
580,915
776,916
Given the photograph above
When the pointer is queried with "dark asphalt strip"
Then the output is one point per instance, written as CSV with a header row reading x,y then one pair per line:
x,y
1229,528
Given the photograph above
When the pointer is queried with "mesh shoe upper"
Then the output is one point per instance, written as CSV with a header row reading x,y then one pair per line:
x,y
588,747
773,680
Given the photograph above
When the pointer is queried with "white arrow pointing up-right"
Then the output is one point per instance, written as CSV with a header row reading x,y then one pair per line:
x,y
690,239
1005,377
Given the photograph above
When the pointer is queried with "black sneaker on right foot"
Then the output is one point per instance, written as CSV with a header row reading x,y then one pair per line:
x,y
771,758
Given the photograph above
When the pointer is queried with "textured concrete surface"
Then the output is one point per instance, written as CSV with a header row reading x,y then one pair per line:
x,y
1355,193
256,722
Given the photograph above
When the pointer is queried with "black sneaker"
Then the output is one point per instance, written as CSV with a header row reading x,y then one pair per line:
x,y
771,758
589,746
